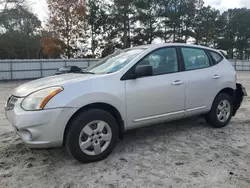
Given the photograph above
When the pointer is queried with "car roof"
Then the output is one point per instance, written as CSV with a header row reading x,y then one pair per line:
x,y
69,66
153,46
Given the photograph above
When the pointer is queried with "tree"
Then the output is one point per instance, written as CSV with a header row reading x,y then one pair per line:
x,y
242,31
147,12
204,25
10,4
235,33
96,28
52,47
97,19
164,13
187,18
20,37
122,19
66,19
20,19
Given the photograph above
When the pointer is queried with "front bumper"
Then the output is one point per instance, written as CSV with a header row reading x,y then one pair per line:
x,y
239,95
40,129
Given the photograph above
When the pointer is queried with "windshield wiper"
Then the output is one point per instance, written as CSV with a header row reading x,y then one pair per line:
x,y
86,72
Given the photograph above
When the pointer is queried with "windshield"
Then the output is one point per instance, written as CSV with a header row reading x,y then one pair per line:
x,y
115,61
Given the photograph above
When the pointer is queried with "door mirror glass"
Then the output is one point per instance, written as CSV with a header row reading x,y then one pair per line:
x,y
143,71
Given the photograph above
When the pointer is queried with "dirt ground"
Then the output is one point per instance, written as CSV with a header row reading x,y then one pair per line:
x,y
187,153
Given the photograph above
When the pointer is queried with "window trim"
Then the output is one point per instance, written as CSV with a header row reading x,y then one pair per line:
x,y
213,59
129,74
211,63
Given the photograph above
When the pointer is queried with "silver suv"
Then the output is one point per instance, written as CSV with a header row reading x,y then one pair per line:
x,y
136,87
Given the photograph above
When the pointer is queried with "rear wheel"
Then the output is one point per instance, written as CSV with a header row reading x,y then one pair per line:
x,y
92,135
221,112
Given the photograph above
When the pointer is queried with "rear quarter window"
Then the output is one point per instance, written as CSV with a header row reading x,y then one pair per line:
x,y
216,57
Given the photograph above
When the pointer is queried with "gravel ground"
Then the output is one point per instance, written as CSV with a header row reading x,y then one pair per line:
x,y
186,153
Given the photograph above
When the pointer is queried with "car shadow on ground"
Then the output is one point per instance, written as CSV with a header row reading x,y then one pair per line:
x,y
133,138
153,132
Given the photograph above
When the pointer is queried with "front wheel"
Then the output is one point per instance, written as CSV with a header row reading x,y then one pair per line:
x,y
92,135
221,112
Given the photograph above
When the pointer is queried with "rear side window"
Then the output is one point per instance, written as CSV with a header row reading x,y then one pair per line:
x,y
217,57
195,58
75,69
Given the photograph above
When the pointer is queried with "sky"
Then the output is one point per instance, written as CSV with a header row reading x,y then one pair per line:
x,y
40,8
223,5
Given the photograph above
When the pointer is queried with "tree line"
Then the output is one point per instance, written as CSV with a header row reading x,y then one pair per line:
x,y
95,28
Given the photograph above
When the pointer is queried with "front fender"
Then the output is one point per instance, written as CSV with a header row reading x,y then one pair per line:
x,y
91,98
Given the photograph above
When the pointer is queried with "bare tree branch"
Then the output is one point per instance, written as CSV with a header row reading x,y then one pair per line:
x,y
10,3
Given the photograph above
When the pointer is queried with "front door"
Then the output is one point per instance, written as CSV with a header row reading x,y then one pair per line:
x,y
156,98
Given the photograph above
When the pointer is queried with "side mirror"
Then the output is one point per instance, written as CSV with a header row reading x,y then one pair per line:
x,y
143,71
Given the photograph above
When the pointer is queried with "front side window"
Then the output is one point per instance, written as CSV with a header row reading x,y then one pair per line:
x,y
195,58
163,61
115,61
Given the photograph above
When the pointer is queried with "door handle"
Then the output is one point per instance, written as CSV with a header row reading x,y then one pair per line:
x,y
216,76
177,83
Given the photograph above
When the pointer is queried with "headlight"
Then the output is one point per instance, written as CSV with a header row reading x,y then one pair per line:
x,y
39,99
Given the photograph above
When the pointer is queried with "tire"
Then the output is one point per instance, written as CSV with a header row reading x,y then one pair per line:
x,y
217,117
91,122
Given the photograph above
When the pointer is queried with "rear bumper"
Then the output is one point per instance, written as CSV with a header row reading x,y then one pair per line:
x,y
239,95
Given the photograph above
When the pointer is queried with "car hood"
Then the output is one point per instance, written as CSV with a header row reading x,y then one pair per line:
x,y
61,80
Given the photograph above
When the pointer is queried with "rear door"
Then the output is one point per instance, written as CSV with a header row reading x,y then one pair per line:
x,y
201,79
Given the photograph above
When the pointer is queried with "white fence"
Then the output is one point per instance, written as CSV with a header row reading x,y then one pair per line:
x,y
31,69
240,65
